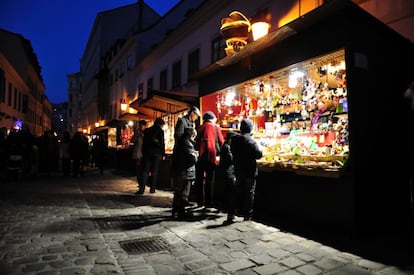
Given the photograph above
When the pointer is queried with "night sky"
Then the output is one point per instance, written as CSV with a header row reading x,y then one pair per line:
x,y
58,31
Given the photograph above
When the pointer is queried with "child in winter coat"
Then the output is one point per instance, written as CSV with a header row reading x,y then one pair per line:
x,y
183,172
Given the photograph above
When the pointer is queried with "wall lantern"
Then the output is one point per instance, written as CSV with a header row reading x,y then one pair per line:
x,y
260,24
124,105
235,29
260,29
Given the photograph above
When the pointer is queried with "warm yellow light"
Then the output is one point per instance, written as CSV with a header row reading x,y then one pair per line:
x,y
124,106
96,124
260,29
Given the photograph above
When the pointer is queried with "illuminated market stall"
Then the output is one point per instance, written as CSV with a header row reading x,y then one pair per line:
x,y
326,98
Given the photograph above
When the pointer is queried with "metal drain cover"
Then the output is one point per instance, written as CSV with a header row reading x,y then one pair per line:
x,y
144,245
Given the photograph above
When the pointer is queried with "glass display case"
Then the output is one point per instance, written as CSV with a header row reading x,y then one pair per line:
x,y
300,114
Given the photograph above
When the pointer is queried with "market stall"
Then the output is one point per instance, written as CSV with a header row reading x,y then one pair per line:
x,y
170,106
326,98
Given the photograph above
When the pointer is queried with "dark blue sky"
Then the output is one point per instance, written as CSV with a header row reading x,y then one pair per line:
x,y
58,31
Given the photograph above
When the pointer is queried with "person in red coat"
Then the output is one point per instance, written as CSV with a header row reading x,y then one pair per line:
x,y
209,139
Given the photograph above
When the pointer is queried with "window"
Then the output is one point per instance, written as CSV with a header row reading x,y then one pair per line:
x,y
141,91
193,62
19,104
2,85
121,69
217,49
129,62
15,99
25,104
149,85
163,79
176,74
9,95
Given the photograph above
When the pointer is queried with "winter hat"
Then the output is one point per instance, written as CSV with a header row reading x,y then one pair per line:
x,y
209,115
246,126
230,134
159,121
190,132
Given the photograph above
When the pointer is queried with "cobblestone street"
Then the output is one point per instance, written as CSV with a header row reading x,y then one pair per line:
x,y
97,225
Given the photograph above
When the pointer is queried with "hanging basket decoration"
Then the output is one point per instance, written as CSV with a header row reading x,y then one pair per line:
x,y
235,30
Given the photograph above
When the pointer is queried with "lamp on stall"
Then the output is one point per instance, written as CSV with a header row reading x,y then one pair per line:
x,y
260,24
124,105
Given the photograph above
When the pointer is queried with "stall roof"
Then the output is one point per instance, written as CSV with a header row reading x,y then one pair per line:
x,y
134,117
327,11
99,129
334,25
165,102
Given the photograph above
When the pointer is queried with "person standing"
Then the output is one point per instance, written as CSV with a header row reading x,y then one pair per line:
x,y
187,121
79,149
227,171
209,137
65,153
245,152
138,139
100,148
184,172
153,151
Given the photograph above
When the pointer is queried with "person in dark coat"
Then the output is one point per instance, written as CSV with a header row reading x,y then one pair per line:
x,y
100,148
245,152
183,172
153,150
138,139
187,121
65,153
79,149
226,167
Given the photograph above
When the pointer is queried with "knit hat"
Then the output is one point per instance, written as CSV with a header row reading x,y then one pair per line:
x,y
246,126
190,132
230,134
209,115
159,121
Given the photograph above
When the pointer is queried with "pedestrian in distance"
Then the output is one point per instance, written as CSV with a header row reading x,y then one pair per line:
x,y
153,151
100,149
183,172
246,152
65,153
138,139
209,139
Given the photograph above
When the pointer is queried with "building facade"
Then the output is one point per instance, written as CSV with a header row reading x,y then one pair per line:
x,y
22,92
109,28
166,52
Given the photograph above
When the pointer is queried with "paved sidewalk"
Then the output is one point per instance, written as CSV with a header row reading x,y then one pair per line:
x,y
86,225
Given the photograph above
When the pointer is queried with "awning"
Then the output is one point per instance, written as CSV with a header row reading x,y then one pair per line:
x,y
99,129
134,117
165,103
114,123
